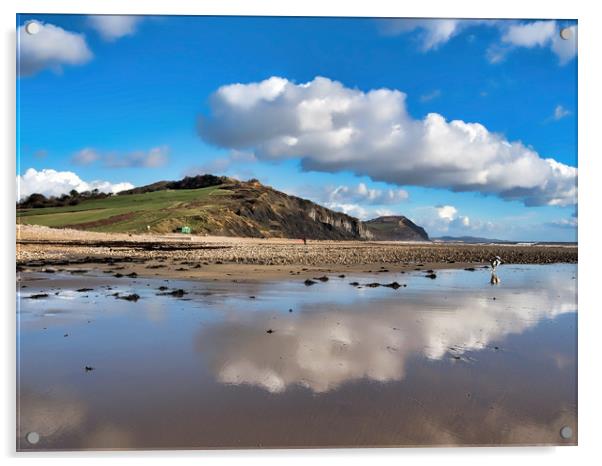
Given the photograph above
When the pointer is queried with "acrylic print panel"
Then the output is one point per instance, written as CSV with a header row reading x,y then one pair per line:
x,y
253,232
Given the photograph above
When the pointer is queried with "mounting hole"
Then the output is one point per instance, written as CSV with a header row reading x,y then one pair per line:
x,y
566,33
566,432
32,27
32,437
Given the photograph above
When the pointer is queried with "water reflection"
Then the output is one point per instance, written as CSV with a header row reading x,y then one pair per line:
x,y
445,361
495,279
48,414
323,346
59,414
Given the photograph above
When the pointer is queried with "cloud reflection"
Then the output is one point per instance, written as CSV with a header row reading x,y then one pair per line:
x,y
322,347
64,420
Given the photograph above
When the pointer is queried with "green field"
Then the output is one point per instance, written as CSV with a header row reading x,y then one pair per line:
x,y
163,211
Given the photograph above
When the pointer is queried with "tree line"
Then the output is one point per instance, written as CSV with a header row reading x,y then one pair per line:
x,y
37,200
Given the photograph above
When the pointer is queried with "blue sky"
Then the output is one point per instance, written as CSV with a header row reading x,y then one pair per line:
x,y
136,100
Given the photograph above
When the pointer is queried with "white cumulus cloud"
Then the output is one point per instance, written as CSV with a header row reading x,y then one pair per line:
x,y
112,27
433,33
52,47
448,215
566,50
332,128
530,34
446,219
55,183
364,195
571,222
543,34
355,210
446,212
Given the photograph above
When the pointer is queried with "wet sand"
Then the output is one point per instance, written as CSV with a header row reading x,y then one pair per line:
x,y
445,361
244,259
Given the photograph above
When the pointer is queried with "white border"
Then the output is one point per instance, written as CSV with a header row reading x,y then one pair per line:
x,y
590,198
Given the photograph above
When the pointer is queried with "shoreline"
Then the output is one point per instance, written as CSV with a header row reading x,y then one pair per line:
x,y
242,273
42,249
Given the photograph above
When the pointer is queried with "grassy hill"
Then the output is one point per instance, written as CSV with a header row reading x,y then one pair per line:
x,y
231,207
162,210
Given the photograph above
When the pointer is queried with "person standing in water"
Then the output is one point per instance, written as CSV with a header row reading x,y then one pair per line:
x,y
495,262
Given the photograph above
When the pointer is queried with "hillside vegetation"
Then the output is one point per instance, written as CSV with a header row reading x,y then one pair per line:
x,y
164,211
230,208
209,205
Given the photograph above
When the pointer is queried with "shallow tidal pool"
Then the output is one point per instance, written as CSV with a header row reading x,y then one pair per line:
x,y
446,361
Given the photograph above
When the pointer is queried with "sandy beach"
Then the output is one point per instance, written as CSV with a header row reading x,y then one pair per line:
x,y
212,257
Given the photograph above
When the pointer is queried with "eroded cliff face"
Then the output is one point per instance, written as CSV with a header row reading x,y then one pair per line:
x,y
396,228
339,221
248,208
276,214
